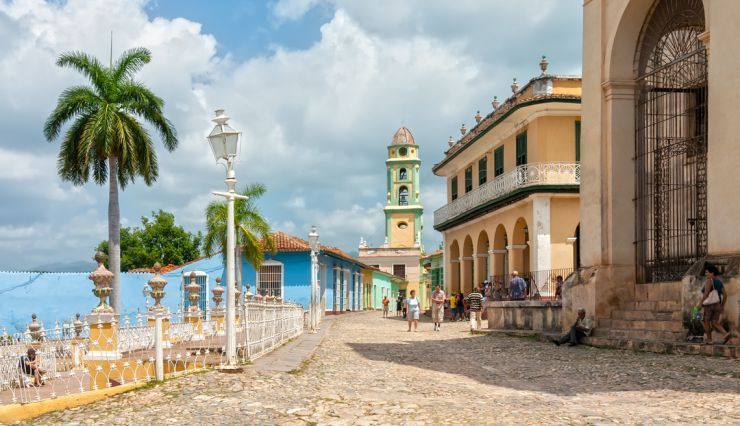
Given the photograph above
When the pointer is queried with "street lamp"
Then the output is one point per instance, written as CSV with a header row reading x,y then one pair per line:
x,y
313,314
224,142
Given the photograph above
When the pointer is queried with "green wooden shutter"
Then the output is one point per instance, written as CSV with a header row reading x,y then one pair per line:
x,y
498,161
453,188
521,148
578,140
482,170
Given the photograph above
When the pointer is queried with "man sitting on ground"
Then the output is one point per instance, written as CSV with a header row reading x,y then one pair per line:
x,y
581,328
29,365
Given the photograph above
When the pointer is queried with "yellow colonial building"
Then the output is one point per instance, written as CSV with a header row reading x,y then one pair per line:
x,y
512,188
660,156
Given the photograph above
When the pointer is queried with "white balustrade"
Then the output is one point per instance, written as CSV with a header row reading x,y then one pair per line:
x,y
523,176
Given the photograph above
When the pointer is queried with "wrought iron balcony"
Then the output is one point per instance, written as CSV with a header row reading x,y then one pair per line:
x,y
527,175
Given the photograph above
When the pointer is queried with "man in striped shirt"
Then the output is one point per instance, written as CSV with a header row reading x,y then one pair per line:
x,y
475,300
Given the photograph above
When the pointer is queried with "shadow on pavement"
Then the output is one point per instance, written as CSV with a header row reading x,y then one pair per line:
x,y
528,365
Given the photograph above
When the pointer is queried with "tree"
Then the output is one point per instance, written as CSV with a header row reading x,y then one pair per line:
x,y
159,239
106,140
252,230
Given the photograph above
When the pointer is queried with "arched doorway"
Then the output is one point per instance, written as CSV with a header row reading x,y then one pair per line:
x,y
500,262
454,285
466,266
481,253
671,142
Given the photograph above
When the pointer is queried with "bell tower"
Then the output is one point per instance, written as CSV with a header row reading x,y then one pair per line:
x,y
403,210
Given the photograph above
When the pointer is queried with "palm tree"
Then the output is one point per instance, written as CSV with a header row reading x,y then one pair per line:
x,y
106,141
253,235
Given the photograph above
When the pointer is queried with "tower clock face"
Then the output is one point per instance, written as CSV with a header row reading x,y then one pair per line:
x,y
402,152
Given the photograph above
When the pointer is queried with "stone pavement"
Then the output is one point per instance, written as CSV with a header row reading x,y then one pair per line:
x,y
369,370
293,354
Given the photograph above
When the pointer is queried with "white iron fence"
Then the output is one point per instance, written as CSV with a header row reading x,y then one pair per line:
x,y
73,364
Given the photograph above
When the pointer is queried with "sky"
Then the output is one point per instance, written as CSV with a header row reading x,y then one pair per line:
x,y
318,88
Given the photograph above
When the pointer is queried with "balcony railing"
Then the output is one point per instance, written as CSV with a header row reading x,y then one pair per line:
x,y
523,176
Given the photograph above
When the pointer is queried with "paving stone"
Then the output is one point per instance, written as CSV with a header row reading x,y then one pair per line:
x,y
369,371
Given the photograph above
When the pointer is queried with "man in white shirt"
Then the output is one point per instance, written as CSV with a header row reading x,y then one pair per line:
x,y
581,328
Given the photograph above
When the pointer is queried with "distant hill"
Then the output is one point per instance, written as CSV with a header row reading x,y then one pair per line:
x,y
79,266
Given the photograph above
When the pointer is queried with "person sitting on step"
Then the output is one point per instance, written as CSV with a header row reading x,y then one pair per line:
x,y
581,328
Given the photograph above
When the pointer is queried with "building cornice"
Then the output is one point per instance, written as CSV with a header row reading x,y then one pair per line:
x,y
494,119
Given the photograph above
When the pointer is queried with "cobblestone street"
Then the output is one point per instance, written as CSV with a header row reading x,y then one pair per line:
x,y
370,370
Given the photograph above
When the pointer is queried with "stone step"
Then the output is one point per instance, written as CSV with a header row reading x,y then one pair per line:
x,y
658,291
663,347
658,305
646,325
632,334
636,315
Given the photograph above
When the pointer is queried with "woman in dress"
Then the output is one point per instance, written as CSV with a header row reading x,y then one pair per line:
x,y
413,309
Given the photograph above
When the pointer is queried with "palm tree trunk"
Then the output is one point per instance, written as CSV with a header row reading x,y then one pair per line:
x,y
114,233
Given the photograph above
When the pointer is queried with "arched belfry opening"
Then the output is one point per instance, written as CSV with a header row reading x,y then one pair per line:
x,y
671,141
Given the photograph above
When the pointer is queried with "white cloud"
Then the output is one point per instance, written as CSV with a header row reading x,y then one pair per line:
x,y
292,9
316,121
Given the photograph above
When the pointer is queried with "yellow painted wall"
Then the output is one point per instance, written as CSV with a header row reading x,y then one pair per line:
x,y
555,140
402,237
567,87
564,219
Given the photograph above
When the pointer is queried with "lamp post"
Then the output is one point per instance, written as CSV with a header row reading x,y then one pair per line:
x,y
224,141
313,314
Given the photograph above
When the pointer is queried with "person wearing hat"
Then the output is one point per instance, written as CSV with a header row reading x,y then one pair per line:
x,y
517,287
29,365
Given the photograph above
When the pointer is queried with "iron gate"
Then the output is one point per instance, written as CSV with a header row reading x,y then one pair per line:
x,y
671,142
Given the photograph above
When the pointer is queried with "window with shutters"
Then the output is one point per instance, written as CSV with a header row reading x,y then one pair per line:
x,y
453,188
498,161
578,140
399,270
521,148
482,170
469,179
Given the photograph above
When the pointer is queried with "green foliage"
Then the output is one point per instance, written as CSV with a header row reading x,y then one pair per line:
x,y
105,121
251,227
159,239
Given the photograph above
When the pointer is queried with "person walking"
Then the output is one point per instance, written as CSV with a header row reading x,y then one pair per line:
x,y
460,306
386,302
475,300
413,309
438,307
517,287
399,305
713,301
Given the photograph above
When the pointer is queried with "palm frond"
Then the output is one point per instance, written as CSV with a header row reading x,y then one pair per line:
x,y
129,63
73,102
89,66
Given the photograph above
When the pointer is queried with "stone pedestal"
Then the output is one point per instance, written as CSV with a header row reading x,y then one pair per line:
x,y
195,318
218,322
102,355
151,317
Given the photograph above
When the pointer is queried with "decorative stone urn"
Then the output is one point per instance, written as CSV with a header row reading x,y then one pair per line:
x,y
34,329
193,290
78,325
102,279
218,292
157,283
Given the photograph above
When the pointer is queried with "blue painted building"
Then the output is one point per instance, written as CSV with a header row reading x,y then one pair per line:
x,y
287,273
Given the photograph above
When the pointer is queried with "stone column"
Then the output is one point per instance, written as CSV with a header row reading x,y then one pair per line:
x,y
540,239
466,276
157,285
103,353
194,315
218,313
337,289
